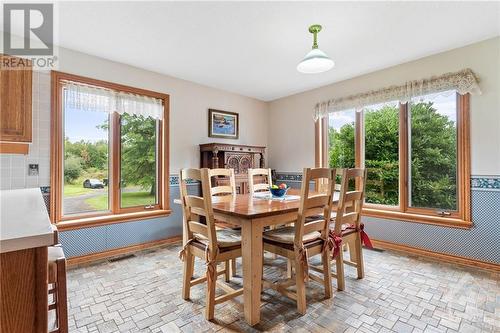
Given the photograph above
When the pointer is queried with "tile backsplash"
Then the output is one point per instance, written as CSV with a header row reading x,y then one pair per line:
x,y
13,167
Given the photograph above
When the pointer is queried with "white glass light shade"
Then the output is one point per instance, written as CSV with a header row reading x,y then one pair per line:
x,y
316,61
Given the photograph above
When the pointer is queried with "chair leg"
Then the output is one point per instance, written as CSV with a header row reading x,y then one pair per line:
x,y
288,269
339,261
271,255
353,251
227,273
233,267
359,257
327,274
211,282
188,274
301,287
62,299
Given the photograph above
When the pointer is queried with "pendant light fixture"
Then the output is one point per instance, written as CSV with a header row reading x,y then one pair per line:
x,y
316,61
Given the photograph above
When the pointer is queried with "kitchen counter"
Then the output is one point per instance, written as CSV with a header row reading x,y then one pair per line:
x,y
24,222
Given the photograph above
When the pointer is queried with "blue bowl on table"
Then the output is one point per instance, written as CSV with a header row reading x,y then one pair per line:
x,y
278,192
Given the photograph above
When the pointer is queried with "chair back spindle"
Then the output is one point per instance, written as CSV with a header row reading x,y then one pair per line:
x,y
350,199
252,186
222,189
196,206
316,204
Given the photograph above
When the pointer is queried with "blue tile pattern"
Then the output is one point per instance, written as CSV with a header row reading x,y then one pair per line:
x,y
288,177
486,182
174,180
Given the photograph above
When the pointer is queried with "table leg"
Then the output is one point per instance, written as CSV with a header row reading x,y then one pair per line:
x,y
251,242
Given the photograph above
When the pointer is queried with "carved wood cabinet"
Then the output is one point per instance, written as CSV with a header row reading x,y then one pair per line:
x,y
237,157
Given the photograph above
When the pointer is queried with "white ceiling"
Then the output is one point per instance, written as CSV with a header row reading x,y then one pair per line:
x,y
252,48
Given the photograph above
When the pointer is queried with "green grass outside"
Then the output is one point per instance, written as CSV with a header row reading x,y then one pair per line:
x,y
129,199
74,190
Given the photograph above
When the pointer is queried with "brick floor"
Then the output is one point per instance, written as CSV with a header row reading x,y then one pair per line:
x,y
400,293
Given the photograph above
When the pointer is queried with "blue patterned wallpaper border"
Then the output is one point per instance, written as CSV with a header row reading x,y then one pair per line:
x,y
174,181
289,177
491,183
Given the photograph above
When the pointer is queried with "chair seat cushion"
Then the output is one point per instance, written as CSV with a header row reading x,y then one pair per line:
x,y
225,238
346,229
320,217
287,235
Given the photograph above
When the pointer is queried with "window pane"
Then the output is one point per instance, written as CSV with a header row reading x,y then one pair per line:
x,y
433,152
382,153
85,161
341,139
138,161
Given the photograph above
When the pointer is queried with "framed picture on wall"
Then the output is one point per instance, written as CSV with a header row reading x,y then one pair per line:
x,y
223,124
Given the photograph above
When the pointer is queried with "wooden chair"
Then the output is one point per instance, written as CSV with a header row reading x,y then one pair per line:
x,y
220,190
347,228
57,289
301,241
252,187
205,242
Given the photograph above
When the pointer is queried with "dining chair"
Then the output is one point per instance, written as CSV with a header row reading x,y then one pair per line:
x,y
301,241
221,190
205,242
217,189
257,187
347,228
56,280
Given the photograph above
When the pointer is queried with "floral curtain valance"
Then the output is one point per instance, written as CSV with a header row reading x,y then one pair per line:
x,y
464,81
92,98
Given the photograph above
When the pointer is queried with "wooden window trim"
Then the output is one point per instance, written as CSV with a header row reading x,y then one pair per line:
x,y
459,219
116,213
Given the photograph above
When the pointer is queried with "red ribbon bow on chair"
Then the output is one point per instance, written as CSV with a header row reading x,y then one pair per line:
x,y
335,243
365,240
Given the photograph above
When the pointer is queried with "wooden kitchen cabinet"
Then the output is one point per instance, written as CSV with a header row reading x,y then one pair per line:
x,y
15,101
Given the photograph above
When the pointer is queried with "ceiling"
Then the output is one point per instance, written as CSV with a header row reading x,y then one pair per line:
x,y
252,48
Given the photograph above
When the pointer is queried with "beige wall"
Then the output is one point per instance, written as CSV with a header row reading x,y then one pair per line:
x,y
189,104
291,144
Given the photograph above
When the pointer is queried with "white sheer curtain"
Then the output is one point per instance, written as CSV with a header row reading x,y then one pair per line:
x,y
463,82
92,98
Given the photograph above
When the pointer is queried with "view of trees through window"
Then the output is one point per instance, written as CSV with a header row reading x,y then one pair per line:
x,y
86,161
382,154
138,161
432,151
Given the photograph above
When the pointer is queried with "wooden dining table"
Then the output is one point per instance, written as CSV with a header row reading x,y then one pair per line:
x,y
253,214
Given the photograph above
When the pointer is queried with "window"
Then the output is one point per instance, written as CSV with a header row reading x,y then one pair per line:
x,y
341,137
416,155
381,153
110,157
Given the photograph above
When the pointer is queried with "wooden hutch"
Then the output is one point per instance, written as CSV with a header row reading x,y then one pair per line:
x,y
238,157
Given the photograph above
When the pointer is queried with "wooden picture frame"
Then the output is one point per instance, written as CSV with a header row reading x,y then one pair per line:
x,y
223,124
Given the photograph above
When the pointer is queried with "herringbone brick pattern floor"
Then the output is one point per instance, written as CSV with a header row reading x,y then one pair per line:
x,y
400,293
